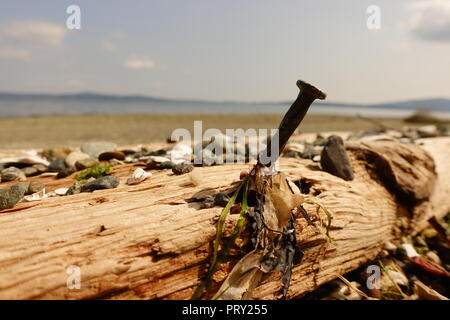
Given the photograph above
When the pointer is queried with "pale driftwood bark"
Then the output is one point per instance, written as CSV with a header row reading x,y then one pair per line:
x,y
152,240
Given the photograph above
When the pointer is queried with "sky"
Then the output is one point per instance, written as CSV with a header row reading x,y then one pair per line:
x,y
252,50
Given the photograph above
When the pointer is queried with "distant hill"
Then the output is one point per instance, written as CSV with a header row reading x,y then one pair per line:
x,y
436,104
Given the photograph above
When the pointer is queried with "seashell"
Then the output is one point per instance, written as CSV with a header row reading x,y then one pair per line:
x,y
138,176
36,196
196,177
61,191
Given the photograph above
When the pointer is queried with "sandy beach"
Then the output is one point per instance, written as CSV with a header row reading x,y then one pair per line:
x,y
44,132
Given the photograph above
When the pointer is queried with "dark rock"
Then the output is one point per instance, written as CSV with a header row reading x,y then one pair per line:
x,y
35,186
128,152
334,159
105,156
65,173
57,165
10,196
292,154
12,174
166,165
74,189
107,182
160,153
182,168
310,153
30,171
209,202
85,164
221,199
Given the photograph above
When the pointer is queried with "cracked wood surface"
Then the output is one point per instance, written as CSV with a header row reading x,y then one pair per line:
x,y
152,240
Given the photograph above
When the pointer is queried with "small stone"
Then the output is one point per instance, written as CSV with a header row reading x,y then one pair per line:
x,y
390,246
209,202
40,168
429,131
12,174
309,153
65,173
166,165
334,159
12,195
107,182
109,155
56,153
75,156
320,140
430,233
57,165
94,149
35,186
30,171
74,189
433,257
61,191
182,168
316,159
196,177
221,199
85,163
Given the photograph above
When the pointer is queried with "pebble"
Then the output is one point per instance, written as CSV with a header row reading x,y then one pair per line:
x,y
221,199
196,177
334,159
433,257
57,165
182,168
40,168
109,155
56,153
75,156
85,163
429,131
30,171
209,202
74,189
35,186
12,174
65,173
107,182
61,191
12,195
94,149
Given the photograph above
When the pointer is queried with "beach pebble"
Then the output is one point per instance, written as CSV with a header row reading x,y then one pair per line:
x,y
30,171
334,159
12,174
138,176
65,173
40,168
74,189
35,186
433,257
61,191
221,199
182,168
109,155
12,195
94,149
107,182
196,177
85,163
390,246
429,131
209,202
56,153
57,165
75,156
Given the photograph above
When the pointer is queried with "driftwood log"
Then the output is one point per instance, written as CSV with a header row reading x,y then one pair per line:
x,y
152,240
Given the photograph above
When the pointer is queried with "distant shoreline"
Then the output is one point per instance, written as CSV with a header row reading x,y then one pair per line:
x,y
131,129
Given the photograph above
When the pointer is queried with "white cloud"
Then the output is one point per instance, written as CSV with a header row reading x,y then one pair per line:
x,y
32,31
135,63
10,53
430,20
